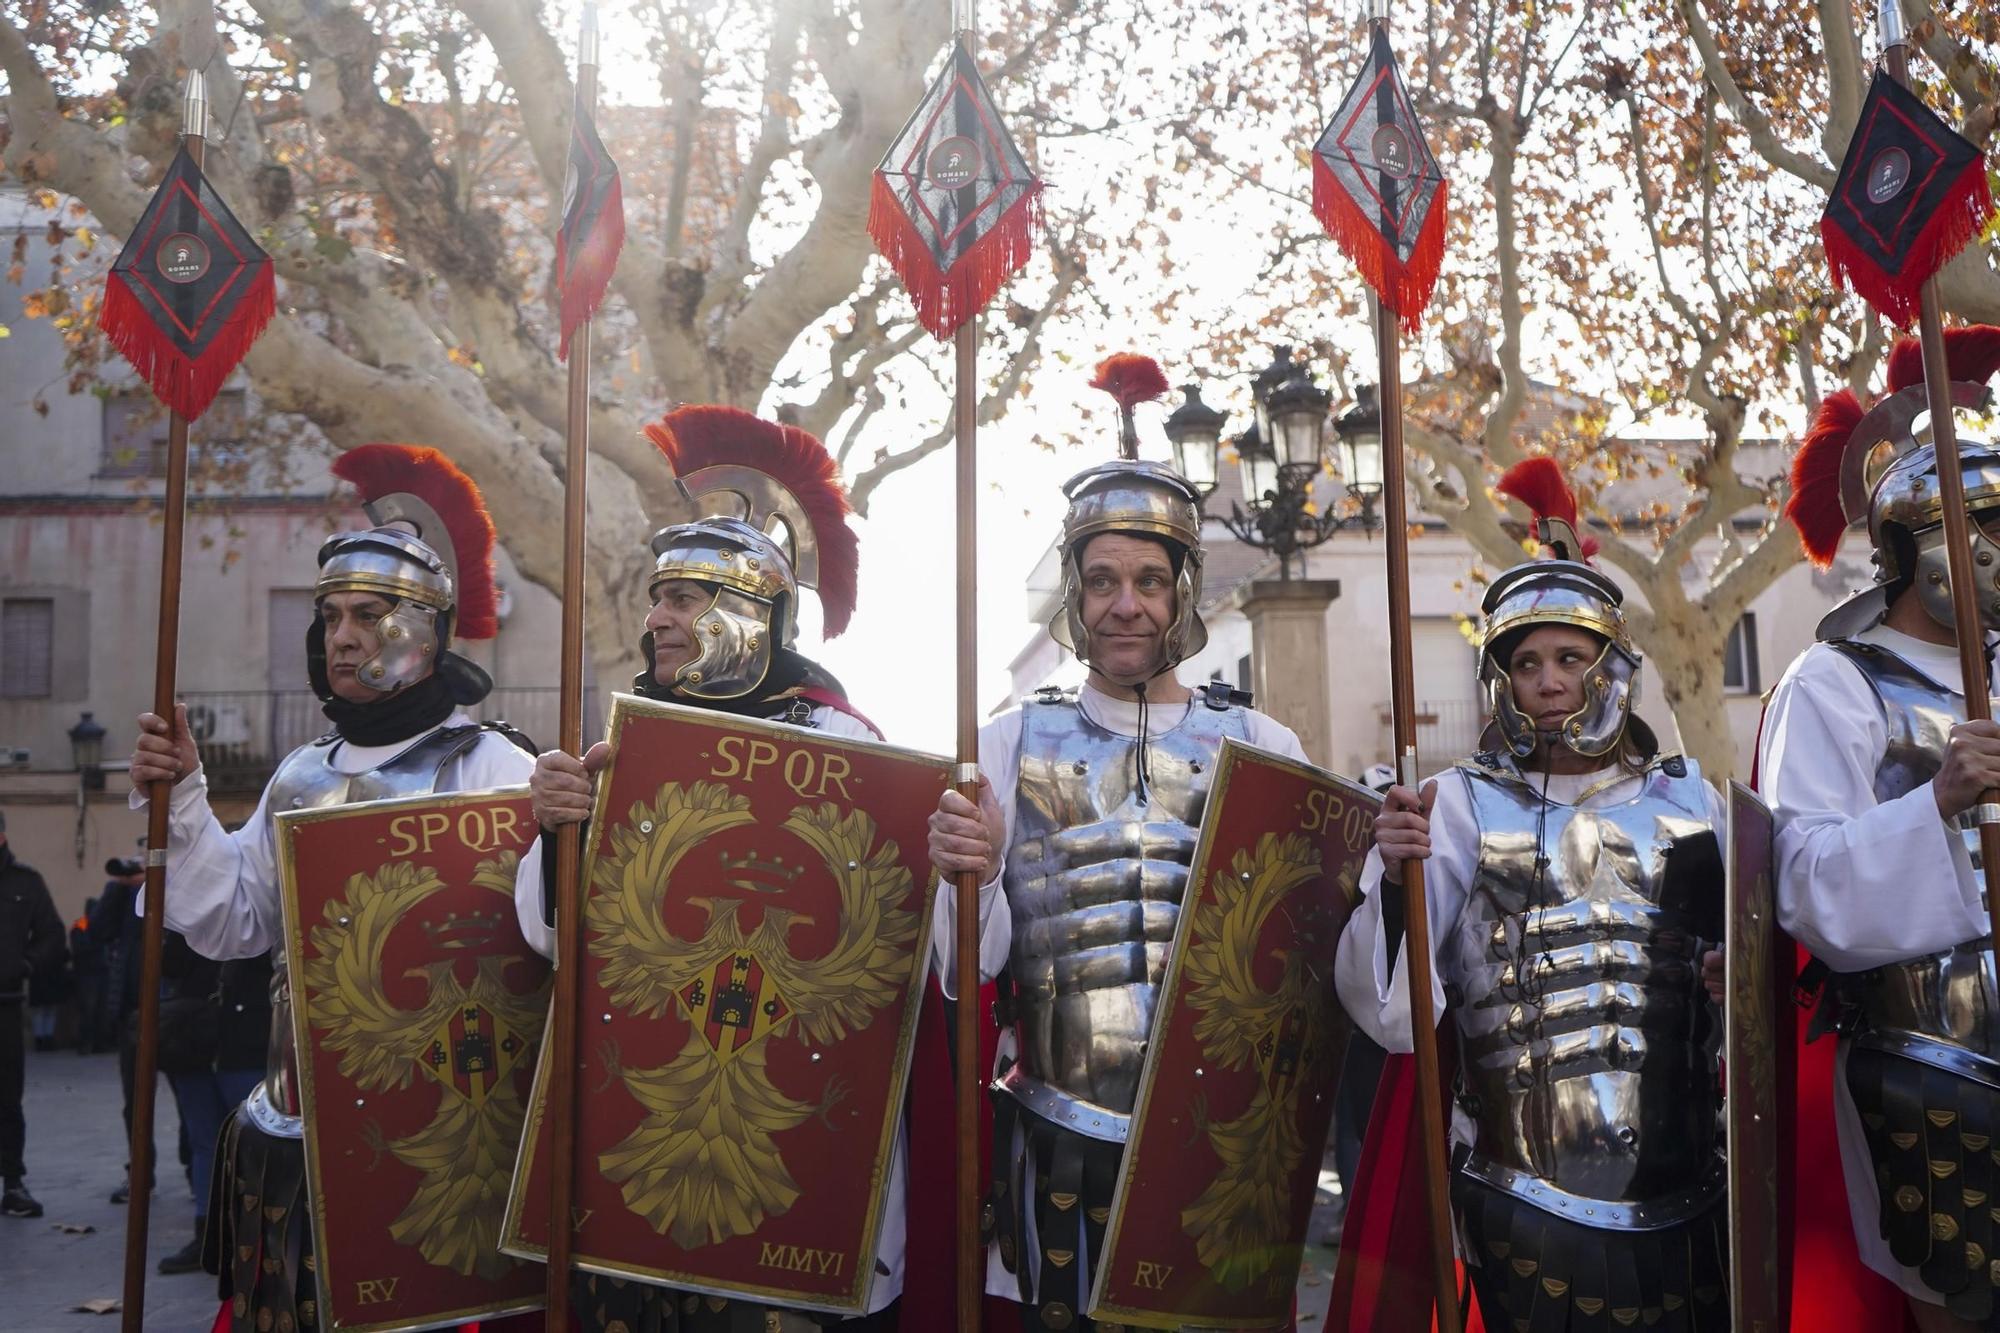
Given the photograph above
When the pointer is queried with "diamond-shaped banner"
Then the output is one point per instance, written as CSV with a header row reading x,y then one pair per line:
x,y
189,292
1911,193
955,206
1377,189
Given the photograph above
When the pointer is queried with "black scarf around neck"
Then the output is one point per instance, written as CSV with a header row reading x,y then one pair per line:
x,y
396,718
790,674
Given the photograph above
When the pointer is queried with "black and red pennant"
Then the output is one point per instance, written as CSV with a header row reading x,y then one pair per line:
x,y
593,227
189,292
1912,192
1377,189
955,207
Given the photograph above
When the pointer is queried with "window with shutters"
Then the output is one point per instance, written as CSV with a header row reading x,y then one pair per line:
x,y
27,647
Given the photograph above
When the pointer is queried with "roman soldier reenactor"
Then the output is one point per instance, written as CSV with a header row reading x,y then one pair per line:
x,y
389,600
1090,803
769,519
1874,780
1574,877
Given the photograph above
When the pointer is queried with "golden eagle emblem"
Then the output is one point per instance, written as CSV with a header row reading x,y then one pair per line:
x,y
704,1160
1241,1222
466,1039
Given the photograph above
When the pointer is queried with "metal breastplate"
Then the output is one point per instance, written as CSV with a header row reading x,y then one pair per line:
x,y
1591,1085
1094,880
308,780
1939,1008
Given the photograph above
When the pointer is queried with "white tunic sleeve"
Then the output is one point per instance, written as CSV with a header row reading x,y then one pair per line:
x,y
1375,995
1860,882
1000,764
222,887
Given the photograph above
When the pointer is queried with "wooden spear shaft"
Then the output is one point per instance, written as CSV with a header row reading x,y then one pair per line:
x,y
159,802
968,1076
1416,918
568,980
1957,527
971,1083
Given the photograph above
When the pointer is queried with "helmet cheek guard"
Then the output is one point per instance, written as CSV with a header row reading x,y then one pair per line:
x,y
1933,577
733,643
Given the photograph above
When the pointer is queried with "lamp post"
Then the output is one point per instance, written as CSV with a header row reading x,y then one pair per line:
x,y
86,748
1280,454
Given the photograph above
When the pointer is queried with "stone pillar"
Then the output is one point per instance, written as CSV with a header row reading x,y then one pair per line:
x,y
1288,666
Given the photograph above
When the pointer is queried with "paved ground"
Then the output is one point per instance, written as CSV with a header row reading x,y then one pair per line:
x,y
76,1150
75,1147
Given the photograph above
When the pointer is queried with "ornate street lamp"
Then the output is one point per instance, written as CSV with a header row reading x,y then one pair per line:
x,y
1359,429
86,748
1195,431
1281,455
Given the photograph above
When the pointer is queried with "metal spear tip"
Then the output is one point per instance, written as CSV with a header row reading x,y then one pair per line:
x,y
194,105
587,44
1889,23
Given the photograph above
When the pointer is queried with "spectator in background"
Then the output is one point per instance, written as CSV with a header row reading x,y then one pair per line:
x,y
215,1022
31,940
118,931
87,983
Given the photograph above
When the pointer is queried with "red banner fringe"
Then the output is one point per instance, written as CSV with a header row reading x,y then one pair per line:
x,y
582,287
946,300
1961,217
1404,288
186,386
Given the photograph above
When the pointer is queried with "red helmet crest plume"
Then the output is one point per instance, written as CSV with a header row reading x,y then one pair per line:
x,y
1971,354
1815,508
706,435
1130,379
376,470
1539,484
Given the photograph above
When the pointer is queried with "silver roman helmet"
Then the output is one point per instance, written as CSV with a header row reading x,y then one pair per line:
x,y
1560,591
767,517
1878,467
429,554
1148,500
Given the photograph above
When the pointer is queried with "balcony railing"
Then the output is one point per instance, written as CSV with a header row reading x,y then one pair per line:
x,y
244,733
1447,730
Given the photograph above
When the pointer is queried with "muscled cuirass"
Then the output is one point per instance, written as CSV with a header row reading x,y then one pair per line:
x,y
1587,1054
1094,879
307,780
1938,1008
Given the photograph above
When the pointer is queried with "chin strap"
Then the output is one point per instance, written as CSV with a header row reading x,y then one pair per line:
x,y
1144,777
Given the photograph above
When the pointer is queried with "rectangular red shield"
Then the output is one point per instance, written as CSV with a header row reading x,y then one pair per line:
x,y
418,1010
1208,1225
1759,1048
756,929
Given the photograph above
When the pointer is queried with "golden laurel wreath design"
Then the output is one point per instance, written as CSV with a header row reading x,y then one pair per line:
x,y
704,1161
1241,1221
466,1153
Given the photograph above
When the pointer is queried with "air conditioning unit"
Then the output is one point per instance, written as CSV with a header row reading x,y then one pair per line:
x,y
218,724
15,756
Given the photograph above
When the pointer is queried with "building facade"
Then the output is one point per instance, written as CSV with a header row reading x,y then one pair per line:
x,y
81,477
